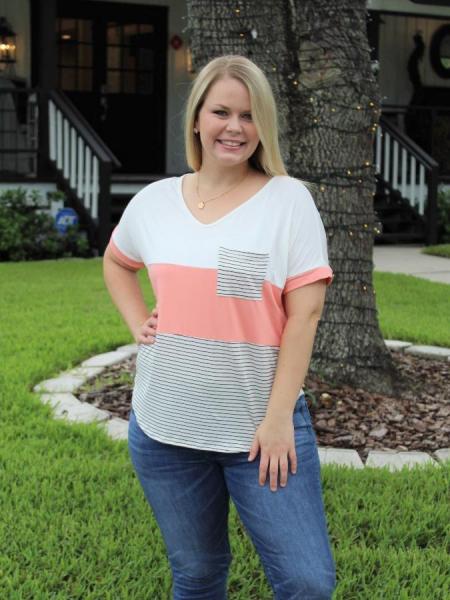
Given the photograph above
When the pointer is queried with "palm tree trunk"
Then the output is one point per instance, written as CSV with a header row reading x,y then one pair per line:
x,y
317,59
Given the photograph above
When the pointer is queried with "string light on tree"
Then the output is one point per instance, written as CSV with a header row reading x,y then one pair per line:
x,y
355,230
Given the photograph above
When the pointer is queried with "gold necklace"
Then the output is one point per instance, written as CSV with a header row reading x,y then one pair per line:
x,y
202,204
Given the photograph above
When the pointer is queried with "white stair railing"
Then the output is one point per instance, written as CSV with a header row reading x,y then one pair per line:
x,y
403,164
83,162
74,158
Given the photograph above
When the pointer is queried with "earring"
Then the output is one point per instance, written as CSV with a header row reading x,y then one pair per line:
x,y
195,130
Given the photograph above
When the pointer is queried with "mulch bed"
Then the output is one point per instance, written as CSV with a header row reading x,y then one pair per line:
x,y
344,417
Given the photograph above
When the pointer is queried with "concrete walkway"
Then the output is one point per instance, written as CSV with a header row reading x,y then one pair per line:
x,y
408,259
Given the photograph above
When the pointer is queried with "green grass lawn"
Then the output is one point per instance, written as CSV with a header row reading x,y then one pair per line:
x,y
74,521
438,250
413,309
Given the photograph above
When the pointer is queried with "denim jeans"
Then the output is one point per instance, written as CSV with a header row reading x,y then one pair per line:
x,y
188,491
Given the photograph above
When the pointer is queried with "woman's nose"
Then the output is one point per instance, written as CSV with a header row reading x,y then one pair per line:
x,y
234,124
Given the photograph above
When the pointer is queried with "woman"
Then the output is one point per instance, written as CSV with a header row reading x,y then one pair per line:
x,y
237,257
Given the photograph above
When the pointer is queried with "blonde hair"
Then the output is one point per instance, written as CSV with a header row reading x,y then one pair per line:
x,y
267,156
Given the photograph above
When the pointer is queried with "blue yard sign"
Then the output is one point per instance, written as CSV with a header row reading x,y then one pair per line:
x,y
64,218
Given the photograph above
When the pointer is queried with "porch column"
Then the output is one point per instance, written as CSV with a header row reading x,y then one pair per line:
x,y
44,69
43,44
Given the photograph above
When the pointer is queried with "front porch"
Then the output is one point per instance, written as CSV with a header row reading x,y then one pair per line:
x,y
45,140
98,114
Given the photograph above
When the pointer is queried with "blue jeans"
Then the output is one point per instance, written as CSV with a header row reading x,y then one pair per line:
x,y
189,490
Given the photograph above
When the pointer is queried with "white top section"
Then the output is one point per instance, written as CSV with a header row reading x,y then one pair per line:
x,y
280,219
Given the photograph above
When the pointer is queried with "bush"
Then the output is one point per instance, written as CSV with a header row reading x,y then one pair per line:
x,y
443,216
27,234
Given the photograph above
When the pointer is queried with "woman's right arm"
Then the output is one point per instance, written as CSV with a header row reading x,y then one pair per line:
x,y
126,293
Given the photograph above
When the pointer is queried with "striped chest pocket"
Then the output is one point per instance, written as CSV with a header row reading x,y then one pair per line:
x,y
241,274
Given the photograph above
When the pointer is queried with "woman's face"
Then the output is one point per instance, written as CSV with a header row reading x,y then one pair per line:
x,y
225,116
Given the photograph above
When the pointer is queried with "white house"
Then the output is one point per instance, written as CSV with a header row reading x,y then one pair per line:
x,y
92,93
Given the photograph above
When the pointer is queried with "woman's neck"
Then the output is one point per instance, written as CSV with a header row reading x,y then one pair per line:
x,y
219,178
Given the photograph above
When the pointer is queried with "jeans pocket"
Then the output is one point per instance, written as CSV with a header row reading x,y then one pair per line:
x,y
138,440
241,273
302,416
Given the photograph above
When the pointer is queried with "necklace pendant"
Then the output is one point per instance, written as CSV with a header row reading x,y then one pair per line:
x,y
201,204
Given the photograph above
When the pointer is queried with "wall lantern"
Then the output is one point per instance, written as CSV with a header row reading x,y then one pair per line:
x,y
188,58
7,43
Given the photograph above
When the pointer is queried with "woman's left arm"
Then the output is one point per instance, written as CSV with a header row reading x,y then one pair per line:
x,y
304,306
275,435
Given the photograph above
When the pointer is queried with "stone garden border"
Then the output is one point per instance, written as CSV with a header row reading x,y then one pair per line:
x,y
58,392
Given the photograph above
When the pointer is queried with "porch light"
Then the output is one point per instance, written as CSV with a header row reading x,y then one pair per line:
x,y
7,43
188,58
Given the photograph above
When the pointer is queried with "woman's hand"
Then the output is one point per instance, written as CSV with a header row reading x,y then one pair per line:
x,y
147,331
275,438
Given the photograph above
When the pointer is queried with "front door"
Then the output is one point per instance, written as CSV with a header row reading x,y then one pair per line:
x,y
112,65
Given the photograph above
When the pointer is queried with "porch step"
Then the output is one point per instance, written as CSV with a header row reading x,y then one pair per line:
x,y
400,221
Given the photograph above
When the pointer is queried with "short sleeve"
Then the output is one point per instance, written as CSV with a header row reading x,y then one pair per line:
x,y
307,253
124,241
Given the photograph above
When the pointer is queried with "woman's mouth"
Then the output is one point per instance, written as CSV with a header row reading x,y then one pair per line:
x,y
233,146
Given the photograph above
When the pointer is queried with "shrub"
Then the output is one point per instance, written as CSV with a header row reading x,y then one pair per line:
x,y
443,217
27,234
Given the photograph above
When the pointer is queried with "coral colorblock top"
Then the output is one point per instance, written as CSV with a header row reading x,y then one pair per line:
x,y
205,382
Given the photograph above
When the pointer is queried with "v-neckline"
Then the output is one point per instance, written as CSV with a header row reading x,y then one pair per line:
x,y
228,214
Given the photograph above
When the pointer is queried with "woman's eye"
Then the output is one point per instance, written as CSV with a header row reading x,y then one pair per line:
x,y
247,116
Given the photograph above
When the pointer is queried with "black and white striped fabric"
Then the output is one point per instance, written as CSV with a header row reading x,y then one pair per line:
x,y
203,392
241,274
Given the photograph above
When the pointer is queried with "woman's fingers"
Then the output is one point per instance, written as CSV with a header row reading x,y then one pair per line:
x,y
147,331
276,464
148,328
273,473
152,321
293,460
147,338
263,464
283,470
